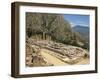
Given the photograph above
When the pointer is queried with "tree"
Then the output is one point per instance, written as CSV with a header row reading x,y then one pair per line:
x,y
47,21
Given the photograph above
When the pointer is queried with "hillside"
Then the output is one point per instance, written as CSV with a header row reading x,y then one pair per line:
x,y
50,36
51,27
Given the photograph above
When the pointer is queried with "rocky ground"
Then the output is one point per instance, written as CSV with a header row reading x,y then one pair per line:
x,y
49,53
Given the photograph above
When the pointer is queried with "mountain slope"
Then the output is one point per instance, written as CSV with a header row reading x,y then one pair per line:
x,y
83,30
43,26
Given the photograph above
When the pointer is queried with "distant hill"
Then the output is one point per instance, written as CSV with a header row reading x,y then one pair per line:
x,y
83,30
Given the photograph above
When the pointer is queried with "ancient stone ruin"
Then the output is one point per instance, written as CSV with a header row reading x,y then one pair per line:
x,y
66,53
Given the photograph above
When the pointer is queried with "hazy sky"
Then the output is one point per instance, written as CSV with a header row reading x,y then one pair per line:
x,y
77,19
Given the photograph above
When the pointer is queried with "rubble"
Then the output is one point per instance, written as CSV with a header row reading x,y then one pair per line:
x,y
67,53
33,56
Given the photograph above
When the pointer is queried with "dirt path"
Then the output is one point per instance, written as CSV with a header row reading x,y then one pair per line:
x,y
52,59
57,62
84,61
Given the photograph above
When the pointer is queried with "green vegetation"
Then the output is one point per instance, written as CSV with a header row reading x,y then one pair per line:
x,y
55,27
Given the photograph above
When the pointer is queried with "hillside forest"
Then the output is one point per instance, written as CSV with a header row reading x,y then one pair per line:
x,y
54,33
